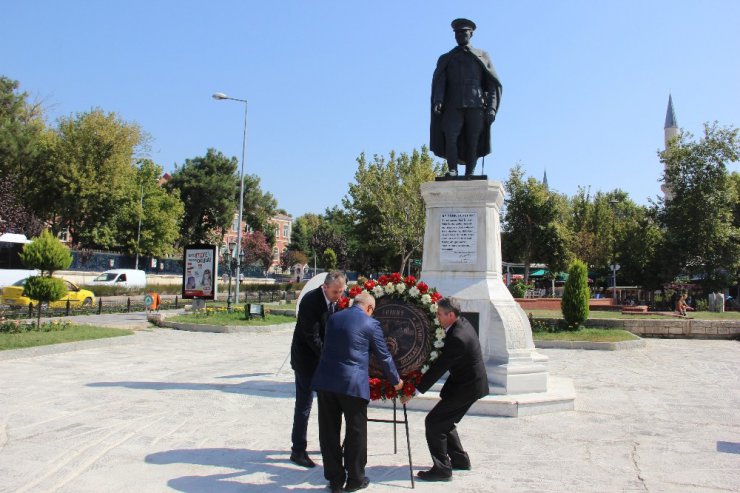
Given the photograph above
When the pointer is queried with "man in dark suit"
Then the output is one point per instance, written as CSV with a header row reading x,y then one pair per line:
x,y
467,382
341,381
305,350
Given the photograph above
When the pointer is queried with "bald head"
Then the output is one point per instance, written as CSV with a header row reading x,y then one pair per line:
x,y
366,302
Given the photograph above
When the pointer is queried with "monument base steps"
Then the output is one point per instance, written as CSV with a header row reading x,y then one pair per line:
x,y
560,396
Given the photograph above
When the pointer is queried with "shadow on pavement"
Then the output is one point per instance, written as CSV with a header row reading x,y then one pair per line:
x,y
262,388
260,470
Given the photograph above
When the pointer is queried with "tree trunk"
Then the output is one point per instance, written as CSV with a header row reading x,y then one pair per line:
x,y
38,323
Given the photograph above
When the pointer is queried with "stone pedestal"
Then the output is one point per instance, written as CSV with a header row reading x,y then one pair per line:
x,y
462,259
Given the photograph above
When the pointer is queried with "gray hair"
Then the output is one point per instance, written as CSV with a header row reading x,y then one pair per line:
x,y
449,305
334,276
365,299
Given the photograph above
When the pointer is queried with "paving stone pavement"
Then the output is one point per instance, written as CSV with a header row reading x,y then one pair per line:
x,y
202,412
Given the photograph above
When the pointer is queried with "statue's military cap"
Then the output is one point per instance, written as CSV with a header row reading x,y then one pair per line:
x,y
459,24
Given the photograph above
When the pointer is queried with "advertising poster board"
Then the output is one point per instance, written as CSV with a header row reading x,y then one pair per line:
x,y
200,271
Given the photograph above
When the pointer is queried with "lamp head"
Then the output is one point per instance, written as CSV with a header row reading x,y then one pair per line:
x,y
219,95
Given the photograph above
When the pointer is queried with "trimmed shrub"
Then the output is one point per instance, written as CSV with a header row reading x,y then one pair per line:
x,y
44,290
47,254
575,296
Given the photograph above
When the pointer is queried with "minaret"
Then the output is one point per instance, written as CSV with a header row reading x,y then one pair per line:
x,y
544,180
670,130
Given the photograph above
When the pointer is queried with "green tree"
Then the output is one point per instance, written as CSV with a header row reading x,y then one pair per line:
x,y
23,139
44,290
330,259
208,187
47,254
160,210
533,224
302,232
702,238
289,258
87,182
386,207
259,207
576,295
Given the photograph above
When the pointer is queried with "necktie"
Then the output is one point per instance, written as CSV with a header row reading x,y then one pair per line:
x,y
331,308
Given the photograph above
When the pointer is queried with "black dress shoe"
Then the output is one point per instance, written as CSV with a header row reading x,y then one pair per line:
x,y
434,475
302,459
461,466
354,486
336,487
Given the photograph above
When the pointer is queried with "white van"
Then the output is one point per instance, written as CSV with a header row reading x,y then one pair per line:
x,y
126,278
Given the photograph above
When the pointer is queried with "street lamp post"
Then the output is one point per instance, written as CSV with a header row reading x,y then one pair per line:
x,y
614,266
221,96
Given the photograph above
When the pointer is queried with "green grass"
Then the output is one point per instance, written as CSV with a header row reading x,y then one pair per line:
x,y
233,318
602,314
590,335
70,334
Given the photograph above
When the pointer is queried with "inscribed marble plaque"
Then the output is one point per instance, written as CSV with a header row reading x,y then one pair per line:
x,y
458,238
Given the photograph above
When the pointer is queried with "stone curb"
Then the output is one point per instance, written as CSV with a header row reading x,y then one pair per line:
x,y
601,346
221,329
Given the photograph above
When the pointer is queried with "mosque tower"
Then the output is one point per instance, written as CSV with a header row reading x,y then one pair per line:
x,y
670,130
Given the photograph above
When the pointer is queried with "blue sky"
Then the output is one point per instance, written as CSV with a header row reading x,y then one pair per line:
x,y
586,83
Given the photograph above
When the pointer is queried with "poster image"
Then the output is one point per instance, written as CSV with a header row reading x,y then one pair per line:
x,y
199,272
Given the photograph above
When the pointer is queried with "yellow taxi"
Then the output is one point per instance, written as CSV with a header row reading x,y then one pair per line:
x,y
14,296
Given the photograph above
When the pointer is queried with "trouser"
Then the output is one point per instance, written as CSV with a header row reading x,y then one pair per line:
x,y
462,128
442,438
302,411
331,408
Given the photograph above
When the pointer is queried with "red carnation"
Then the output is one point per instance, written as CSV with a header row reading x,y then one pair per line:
x,y
354,291
343,303
422,287
390,392
409,281
436,297
395,278
369,285
383,280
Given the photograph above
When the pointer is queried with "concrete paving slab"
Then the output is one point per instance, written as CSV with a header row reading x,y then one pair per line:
x,y
193,412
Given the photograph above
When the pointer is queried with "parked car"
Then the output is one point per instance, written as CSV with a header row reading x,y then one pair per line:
x,y
126,278
14,295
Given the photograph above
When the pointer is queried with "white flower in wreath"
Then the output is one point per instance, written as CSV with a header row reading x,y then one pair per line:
x,y
389,288
378,291
440,333
425,368
433,308
414,292
351,301
426,299
439,343
436,322
433,355
400,287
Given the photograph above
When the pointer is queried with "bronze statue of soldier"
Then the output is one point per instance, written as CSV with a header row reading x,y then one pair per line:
x,y
466,94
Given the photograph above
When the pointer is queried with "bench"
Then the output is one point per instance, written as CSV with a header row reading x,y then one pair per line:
x,y
634,309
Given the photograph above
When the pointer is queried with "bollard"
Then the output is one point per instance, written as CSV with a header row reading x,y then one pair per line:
x,y
100,306
175,302
128,304
68,307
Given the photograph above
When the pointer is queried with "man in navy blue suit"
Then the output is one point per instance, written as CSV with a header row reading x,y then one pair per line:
x,y
341,381
305,350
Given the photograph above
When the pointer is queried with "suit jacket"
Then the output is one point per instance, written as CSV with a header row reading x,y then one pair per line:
x,y
350,337
308,335
462,357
